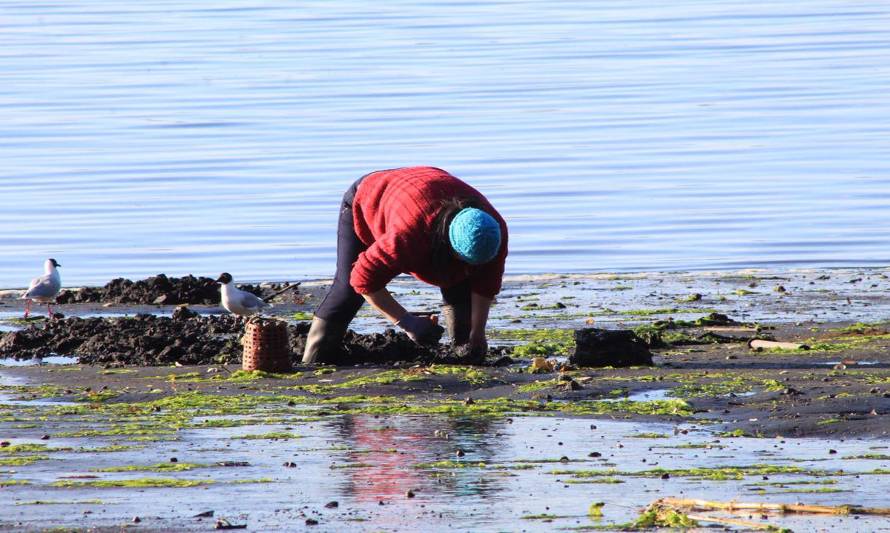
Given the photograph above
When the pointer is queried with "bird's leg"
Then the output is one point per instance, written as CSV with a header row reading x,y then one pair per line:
x,y
49,311
27,308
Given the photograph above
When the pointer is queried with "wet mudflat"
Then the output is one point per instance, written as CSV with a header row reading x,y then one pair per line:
x,y
408,446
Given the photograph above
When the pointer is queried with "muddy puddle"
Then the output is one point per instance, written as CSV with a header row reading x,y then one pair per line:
x,y
276,467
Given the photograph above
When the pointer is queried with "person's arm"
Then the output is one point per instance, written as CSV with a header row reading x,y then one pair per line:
x,y
383,301
421,330
479,306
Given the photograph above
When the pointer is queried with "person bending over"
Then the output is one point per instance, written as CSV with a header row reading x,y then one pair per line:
x,y
425,222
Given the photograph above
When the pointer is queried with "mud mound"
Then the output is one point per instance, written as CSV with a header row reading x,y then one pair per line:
x,y
149,340
160,290
602,347
141,340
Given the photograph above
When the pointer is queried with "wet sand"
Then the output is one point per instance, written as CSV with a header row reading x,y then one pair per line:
x,y
710,399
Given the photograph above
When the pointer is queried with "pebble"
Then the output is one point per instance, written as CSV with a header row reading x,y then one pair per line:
x,y
332,505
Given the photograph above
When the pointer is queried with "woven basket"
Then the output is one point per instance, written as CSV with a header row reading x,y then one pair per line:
x,y
266,346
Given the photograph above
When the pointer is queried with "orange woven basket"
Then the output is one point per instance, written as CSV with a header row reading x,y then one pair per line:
x,y
266,346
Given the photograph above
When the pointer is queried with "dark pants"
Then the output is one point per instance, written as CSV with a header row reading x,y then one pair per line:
x,y
342,302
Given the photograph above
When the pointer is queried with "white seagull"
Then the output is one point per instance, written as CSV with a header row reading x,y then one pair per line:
x,y
236,301
45,288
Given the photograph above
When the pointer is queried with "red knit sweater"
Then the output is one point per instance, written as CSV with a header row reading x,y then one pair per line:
x,y
395,211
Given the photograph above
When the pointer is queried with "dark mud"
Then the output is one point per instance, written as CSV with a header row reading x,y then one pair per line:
x,y
160,290
190,339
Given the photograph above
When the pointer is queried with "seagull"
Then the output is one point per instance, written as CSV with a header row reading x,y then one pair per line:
x,y
236,301
45,288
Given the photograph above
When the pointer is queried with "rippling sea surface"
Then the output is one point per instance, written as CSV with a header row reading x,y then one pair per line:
x,y
193,137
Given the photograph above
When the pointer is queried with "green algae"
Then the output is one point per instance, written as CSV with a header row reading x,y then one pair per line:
x,y
664,311
159,467
735,385
870,456
275,435
536,386
719,473
148,482
543,341
594,481
22,460
656,518
302,315
28,448
648,436
62,502
505,406
13,482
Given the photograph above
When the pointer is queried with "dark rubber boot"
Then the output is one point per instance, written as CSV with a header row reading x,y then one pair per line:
x,y
323,341
457,323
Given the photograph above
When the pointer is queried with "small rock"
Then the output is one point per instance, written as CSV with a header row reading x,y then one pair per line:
x,y
205,514
332,505
469,401
136,520
311,522
174,460
290,464
665,476
409,494
459,453
45,437
594,454
4,444
832,452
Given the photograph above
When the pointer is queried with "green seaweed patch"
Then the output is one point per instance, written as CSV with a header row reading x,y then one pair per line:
x,y
62,502
29,448
719,473
99,396
594,481
158,467
22,460
538,342
108,449
870,456
148,482
648,436
735,385
302,315
275,435
496,407
13,482
117,371
665,311
863,327
544,516
536,386
460,465
656,518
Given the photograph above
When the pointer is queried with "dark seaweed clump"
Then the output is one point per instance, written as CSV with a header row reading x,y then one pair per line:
x,y
159,290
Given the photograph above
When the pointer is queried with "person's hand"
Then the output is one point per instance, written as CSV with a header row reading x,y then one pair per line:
x,y
420,330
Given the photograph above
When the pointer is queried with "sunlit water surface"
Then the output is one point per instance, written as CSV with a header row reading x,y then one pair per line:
x,y
196,137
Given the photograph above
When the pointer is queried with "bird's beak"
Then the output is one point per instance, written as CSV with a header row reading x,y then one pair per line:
x,y
218,280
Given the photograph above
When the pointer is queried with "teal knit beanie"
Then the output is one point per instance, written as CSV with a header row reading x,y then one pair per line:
x,y
475,236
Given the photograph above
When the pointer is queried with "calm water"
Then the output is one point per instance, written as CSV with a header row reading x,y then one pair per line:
x,y
187,136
